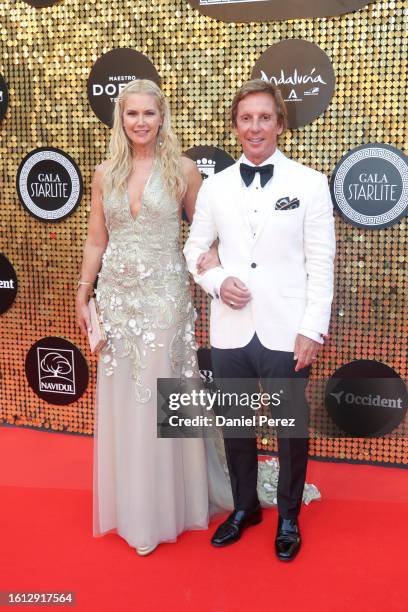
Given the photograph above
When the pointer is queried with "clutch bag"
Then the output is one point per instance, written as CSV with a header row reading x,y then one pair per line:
x,y
97,334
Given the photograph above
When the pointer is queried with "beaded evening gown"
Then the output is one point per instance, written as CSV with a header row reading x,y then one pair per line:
x,y
147,489
150,489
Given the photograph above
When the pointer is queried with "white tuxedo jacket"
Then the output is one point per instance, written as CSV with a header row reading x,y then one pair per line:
x,y
287,266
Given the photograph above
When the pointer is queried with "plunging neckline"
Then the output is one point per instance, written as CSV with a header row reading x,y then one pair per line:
x,y
134,219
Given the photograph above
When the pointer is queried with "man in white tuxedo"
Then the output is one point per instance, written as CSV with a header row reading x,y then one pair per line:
x,y
271,294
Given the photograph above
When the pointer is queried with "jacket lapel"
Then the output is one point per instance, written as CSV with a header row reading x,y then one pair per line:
x,y
237,196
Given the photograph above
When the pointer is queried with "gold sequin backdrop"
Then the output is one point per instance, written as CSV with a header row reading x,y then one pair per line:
x,y
46,56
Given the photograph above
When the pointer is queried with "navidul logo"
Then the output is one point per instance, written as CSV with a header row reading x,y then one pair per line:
x,y
56,370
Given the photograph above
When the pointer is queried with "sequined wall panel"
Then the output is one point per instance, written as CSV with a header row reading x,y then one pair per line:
x,y
46,57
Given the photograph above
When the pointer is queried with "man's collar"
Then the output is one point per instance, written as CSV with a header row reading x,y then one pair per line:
x,y
270,160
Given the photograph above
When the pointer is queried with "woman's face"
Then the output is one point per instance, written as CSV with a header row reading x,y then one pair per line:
x,y
141,120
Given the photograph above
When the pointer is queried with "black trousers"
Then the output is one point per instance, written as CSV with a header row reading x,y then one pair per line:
x,y
256,362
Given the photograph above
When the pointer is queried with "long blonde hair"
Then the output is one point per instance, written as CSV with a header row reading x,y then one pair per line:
x,y
120,162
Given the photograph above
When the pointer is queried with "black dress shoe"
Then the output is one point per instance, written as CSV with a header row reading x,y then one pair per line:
x,y
287,541
231,530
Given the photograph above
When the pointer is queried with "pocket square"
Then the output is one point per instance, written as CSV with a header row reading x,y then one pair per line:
x,y
287,204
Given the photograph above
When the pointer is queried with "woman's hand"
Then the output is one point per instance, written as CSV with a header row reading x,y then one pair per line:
x,y
208,260
83,317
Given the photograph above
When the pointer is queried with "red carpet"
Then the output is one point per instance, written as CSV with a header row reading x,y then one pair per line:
x,y
353,556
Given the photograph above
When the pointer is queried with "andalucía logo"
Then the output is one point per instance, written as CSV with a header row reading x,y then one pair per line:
x,y
56,370
303,73
4,97
270,10
366,398
49,184
110,73
369,186
209,159
8,284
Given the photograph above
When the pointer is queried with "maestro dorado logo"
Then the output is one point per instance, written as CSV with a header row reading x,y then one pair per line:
x,y
56,370
304,75
366,398
49,184
370,186
110,73
269,10
4,97
209,159
8,284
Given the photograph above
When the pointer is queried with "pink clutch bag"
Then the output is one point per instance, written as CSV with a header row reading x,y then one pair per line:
x,y
97,334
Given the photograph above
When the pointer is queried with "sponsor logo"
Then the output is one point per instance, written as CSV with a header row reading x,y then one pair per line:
x,y
366,398
369,186
270,10
209,159
56,370
303,73
111,73
49,184
41,3
4,97
8,284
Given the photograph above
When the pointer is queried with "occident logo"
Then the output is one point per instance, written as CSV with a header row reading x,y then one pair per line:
x,y
304,75
366,398
209,159
4,97
56,370
8,284
268,10
369,186
110,73
41,3
49,184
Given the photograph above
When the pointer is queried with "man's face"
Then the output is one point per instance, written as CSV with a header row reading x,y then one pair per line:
x,y
258,127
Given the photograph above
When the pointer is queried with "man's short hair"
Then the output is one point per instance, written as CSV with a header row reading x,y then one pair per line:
x,y
259,86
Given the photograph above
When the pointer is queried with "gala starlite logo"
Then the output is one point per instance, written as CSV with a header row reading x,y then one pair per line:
x,y
369,186
49,184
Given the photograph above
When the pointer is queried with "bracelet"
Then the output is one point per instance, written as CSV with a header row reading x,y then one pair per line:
x,y
84,283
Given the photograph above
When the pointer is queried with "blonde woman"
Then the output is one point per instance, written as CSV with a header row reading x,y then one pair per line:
x,y
147,489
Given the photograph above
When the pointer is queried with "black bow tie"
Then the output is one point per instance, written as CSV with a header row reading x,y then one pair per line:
x,y
248,173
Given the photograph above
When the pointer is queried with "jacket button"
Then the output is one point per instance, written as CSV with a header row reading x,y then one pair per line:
x,y
253,265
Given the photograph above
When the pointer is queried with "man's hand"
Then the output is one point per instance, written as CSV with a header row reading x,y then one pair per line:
x,y
305,351
234,293
208,260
